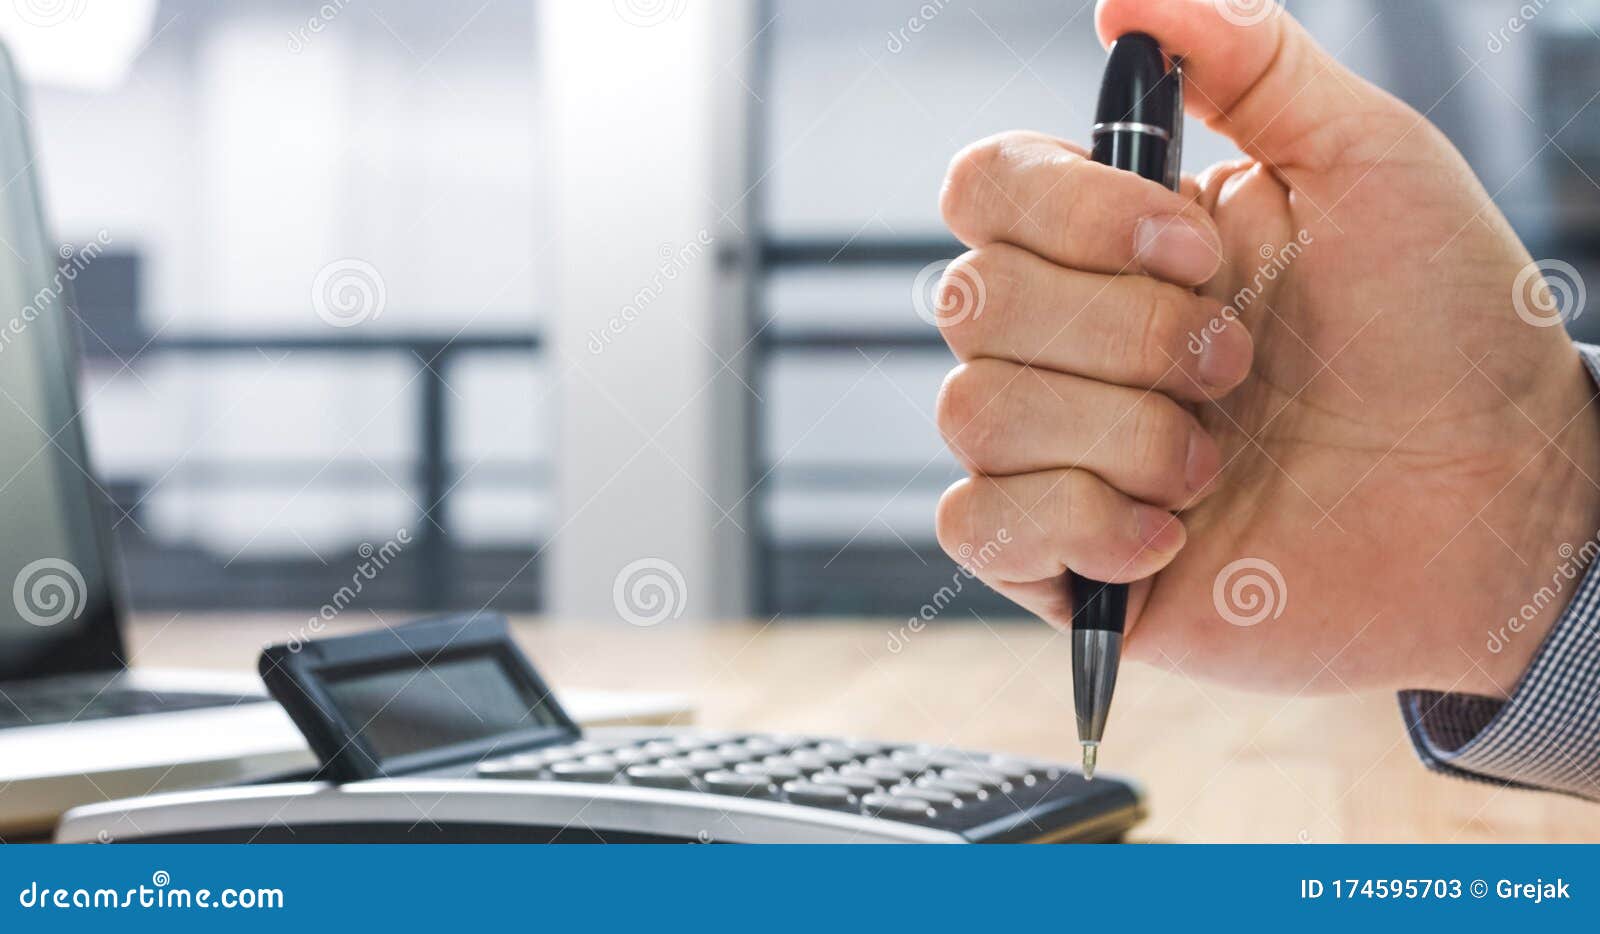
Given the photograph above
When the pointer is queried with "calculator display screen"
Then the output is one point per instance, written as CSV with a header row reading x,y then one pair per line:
x,y
405,710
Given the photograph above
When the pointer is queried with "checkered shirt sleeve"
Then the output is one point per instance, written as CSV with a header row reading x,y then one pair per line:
x,y
1547,735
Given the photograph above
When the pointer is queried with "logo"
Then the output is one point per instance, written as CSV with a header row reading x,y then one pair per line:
x,y
347,292
650,591
1548,292
46,13
648,12
1247,12
1249,591
942,298
48,591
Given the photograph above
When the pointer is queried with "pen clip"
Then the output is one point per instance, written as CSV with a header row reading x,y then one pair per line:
x,y
1174,173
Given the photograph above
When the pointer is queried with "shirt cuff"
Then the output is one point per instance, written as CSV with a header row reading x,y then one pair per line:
x,y
1548,734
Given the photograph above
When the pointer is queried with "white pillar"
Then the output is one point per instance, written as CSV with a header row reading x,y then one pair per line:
x,y
644,103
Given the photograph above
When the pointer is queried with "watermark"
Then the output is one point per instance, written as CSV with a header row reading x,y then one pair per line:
x,y
49,590
347,292
300,36
1573,563
1500,38
160,893
1548,292
969,562
46,13
650,591
649,12
926,13
74,260
1249,591
944,298
674,262
1275,261
372,561
1247,12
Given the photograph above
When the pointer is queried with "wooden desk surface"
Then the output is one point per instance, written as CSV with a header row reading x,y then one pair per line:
x,y
1218,765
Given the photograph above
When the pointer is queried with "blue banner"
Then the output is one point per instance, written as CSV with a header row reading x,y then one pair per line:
x,y
222,888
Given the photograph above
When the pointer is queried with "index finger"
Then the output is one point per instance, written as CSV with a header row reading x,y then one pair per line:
x,y
1046,196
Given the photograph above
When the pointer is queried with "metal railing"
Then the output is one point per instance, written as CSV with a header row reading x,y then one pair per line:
x,y
437,582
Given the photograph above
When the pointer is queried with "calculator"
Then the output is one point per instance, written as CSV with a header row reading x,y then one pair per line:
x,y
443,731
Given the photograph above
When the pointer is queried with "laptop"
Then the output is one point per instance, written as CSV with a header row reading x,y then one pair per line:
x,y
77,725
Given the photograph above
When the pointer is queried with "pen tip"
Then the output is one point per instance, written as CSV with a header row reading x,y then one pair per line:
x,y
1089,752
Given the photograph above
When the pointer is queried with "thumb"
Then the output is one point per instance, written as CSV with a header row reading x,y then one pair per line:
x,y
1256,76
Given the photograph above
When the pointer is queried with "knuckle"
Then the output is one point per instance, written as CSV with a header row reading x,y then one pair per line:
x,y
1073,493
975,285
1162,331
969,176
1158,436
1147,348
964,412
953,518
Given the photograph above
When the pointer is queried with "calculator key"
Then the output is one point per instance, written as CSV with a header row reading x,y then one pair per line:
x,y
909,770
582,772
691,743
1043,771
513,767
602,761
989,779
860,784
1014,771
808,759
556,754
961,788
740,784
782,772
914,761
894,807
947,757
835,754
789,745
758,747
703,761
862,747
661,747
631,755
934,796
819,796
732,753
661,776
886,777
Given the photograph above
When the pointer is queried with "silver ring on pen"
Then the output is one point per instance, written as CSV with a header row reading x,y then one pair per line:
x,y
1123,127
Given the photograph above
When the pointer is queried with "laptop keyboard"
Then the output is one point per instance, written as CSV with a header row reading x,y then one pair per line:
x,y
32,707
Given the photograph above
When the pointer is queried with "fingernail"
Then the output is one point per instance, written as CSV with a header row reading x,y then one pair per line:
x,y
1225,357
1170,247
1159,531
1203,462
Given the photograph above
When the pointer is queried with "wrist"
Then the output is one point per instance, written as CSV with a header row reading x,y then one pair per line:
x,y
1559,538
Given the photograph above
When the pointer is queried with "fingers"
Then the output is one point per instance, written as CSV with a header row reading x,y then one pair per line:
x,y
1047,197
1002,419
1129,330
1255,75
1037,526
1051,600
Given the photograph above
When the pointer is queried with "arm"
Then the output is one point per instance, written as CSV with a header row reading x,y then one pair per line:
x,y
1330,363
1547,735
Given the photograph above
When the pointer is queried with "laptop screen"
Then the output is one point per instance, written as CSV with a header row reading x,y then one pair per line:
x,y
56,612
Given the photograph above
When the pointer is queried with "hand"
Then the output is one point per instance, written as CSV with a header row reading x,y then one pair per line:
x,y
1372,422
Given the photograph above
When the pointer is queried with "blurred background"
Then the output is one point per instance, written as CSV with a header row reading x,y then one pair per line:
x,y
562,291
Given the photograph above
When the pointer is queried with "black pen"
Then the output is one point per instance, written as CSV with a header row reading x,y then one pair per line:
x,y
1138,127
